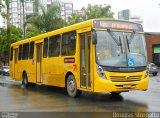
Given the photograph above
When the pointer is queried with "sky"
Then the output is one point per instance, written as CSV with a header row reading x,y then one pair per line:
x,y
148,10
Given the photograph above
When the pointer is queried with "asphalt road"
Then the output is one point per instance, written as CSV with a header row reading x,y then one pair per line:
x,y
14,98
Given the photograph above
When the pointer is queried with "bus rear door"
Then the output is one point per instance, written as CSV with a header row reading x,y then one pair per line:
x,y
38,62
15,63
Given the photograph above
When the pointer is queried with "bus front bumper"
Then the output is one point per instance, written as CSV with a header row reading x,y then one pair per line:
x,y
103,85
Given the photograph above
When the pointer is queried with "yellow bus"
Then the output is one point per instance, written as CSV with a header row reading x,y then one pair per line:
x,y
98,55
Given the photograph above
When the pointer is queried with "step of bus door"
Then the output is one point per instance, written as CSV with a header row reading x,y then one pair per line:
x,y
39,83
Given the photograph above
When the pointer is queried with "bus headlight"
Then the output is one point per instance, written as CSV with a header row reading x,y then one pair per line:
x,y
101,72
147,73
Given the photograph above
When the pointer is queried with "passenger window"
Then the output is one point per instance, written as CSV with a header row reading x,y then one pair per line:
x,y
20,52
31,50
45,48
69,43
25,52
54,46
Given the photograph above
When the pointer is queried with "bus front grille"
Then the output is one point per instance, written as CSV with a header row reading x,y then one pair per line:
x,y
125,78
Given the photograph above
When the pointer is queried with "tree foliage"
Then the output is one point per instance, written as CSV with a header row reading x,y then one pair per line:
x,y
0,5
32,31
47,21
91,12
16,35
5,34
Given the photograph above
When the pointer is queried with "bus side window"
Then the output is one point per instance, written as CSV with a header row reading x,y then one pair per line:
x,y
31,50
20,52
54,46
45,47
69,43
25,51
11,53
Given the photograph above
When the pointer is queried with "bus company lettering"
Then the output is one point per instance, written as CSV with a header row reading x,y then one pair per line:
x,y
103,24
122,26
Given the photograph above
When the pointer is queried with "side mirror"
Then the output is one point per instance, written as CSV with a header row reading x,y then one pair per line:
x,y
94,37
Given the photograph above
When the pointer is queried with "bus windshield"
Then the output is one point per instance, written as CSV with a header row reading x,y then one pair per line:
x,y
121,49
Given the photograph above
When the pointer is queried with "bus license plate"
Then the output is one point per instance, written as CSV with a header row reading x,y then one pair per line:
x,y
127,86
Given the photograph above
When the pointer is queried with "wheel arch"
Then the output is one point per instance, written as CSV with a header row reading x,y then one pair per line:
x,y
24,72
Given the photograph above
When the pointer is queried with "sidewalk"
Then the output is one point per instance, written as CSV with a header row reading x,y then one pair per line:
x,y
7,80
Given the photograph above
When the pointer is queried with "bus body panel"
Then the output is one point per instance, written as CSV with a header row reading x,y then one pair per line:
x,y
107,85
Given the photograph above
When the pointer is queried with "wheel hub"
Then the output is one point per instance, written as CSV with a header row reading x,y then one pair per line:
x,y
71,86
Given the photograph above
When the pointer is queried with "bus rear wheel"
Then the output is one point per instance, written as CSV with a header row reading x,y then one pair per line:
x,y
25,80
72,87
115,93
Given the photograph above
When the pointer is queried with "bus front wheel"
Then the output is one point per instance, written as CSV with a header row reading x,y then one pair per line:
x,y
72,87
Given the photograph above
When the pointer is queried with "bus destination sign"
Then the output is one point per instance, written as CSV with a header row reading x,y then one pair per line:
x,y
115,24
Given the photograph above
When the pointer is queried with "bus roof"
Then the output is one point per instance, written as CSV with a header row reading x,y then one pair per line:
x,y
88,23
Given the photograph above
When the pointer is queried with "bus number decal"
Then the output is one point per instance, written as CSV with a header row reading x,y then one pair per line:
x,y
75,67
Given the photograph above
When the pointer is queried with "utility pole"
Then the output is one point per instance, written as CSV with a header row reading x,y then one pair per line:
x,y
24,29
8,29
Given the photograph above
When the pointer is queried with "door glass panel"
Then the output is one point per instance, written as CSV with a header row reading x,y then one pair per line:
x,y
83,64
39,53
15,63
85,60
38,65
88,50
16,55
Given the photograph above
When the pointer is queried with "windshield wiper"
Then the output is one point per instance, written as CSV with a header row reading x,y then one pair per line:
x,y
128,43
131,37
120,44
114,37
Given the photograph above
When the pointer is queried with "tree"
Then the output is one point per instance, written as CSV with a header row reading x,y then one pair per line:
x,y
47,21
32,31
8,21
75,18
91,12
16,35
6,15
1,5
5,35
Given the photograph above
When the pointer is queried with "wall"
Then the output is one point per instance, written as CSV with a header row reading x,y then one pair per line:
x,y
151,39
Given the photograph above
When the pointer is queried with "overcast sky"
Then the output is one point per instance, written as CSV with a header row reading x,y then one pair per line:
x,y
149,10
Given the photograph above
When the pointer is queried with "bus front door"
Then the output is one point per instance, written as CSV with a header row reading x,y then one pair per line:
x,y
15,63
85,73
38,62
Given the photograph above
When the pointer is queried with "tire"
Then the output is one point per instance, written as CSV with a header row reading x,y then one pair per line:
x,y
72,87
25,80
115,93
154,74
